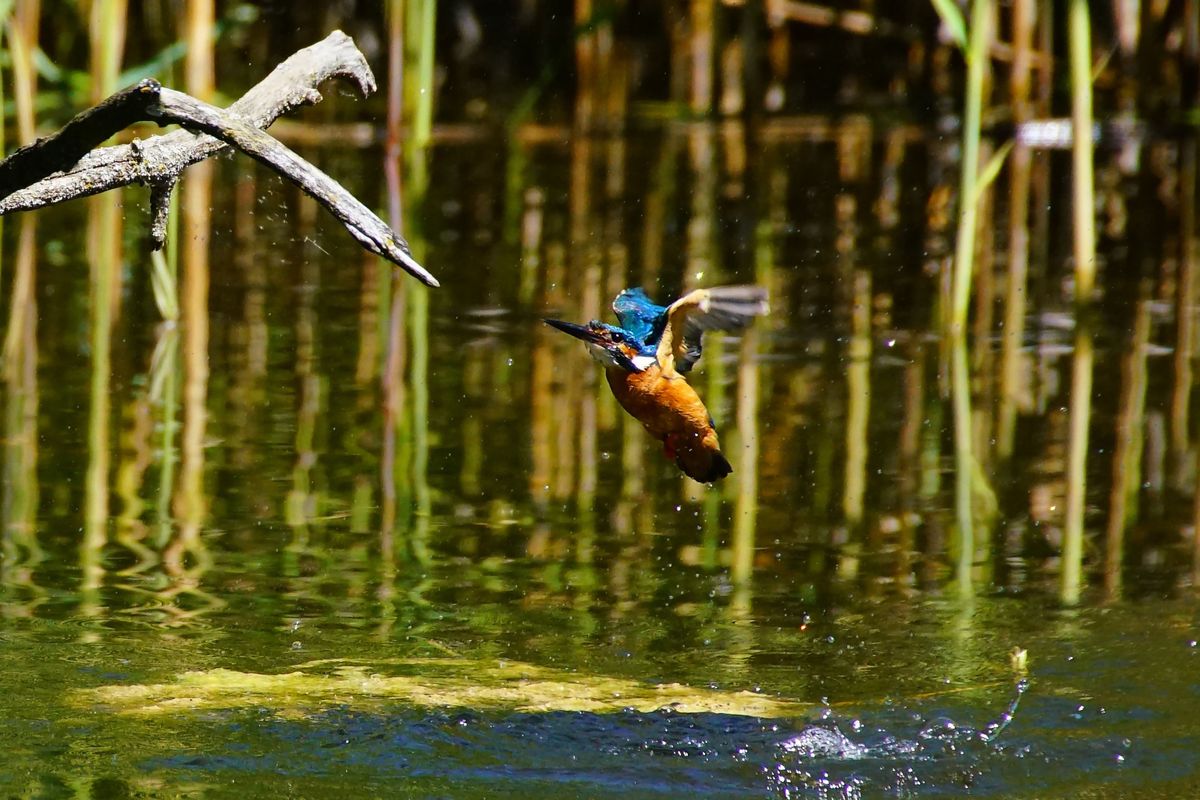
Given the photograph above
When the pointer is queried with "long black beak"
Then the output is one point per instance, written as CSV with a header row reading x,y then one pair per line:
x,y
578,331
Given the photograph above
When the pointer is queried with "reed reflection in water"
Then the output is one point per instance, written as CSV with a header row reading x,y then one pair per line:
x,y
490,437
286,455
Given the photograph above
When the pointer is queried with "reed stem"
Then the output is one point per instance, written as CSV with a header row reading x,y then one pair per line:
x,y
858,400
200,74
746,509
964,461
423,113
1079,31
964,254
21,35
418,27
107,33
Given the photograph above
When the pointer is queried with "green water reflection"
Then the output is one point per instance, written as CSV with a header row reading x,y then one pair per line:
x,y
239,493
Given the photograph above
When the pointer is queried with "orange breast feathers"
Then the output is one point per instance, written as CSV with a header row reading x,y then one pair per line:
x,y
673,413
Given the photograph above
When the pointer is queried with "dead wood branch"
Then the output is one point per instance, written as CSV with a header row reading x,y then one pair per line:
x,y
64,166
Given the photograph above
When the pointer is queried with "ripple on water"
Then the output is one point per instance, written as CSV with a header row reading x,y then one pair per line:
x,y
893,753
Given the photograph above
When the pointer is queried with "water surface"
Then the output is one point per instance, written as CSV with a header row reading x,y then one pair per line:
x,y
241,575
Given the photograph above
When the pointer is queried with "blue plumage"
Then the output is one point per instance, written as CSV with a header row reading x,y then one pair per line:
x,y
725,308
644,356
643,322
640,316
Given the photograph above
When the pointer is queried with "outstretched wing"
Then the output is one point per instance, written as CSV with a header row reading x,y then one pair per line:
x,y
722,308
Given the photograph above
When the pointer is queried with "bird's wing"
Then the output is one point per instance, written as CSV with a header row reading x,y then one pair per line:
x,y
722,308
637,313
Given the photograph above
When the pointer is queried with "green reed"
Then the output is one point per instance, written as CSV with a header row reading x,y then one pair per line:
x,y
20,32
420,31
1079,35
418,332
19,506
104,228
405,328
964,461
164,267
973,494
982,12
419,27
976,52
107,38
858,399
164,395
749,419
164,365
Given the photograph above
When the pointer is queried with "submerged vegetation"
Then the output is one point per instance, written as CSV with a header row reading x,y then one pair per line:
x,y
430,682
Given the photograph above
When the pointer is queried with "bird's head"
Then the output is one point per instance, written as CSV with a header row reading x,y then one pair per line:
x,y
608,344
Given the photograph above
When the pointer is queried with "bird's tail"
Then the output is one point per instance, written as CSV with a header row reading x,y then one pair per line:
x,y
703,465
699,457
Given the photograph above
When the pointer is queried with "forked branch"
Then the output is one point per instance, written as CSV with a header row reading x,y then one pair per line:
x,y
64,166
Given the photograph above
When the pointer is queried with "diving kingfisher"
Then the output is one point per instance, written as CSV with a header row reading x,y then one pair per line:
x,y
646,356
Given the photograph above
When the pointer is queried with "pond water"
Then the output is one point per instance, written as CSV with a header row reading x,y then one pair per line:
x,y
257,574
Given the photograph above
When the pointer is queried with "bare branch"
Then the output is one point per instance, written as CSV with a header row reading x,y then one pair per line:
x,y
160,210
61,168
370,231
86,130
290,85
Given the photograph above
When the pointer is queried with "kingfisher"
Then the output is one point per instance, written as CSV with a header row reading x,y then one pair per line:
x,y
645,359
